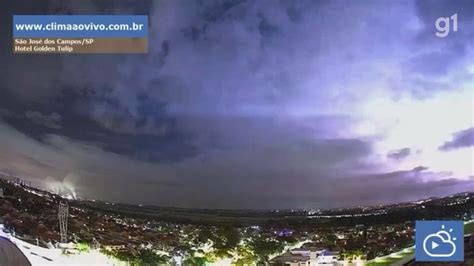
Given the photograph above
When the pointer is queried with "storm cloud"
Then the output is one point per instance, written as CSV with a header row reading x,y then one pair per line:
x,y
461,139
399,154
247,104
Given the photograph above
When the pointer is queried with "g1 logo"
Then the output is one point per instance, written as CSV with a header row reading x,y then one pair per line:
x,y
443,26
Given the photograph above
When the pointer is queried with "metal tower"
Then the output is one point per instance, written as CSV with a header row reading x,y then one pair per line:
x,y
95,244
62,215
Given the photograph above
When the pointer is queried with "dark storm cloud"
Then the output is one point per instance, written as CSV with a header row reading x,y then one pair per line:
x,y
211,176
390,187
399,154
171,80
151,137
52,120
237,104
436,59
461,139
420,168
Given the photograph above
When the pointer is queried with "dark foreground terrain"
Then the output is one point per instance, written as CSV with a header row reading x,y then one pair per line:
x,y
157,234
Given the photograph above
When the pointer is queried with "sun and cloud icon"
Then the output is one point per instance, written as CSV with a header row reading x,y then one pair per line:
x,y
440,244
439,241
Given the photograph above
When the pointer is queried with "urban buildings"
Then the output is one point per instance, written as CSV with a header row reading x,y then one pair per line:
x,y
154,234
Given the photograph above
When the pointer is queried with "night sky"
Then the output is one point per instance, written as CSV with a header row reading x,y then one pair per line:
x,y
248,104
